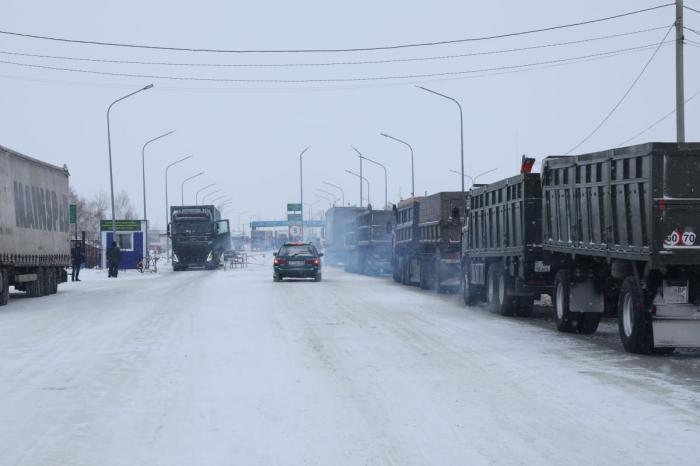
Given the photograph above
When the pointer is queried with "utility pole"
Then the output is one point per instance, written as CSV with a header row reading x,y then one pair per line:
x,y
680,86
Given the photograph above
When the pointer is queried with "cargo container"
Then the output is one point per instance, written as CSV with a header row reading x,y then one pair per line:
x,y
616,235
427,241
337,218
34,225
368,242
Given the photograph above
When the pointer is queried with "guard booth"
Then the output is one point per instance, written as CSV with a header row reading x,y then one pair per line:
x,y
130,236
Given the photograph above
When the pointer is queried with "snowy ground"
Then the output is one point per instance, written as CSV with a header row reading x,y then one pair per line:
x,y
227,367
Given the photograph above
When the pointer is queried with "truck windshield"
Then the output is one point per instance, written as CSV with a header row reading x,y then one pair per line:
x,y
191,227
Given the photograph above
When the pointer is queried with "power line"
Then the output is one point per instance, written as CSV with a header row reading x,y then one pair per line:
x,y
691,9
657,122
336,63
365,85
624,96
691,30
353,49
331,80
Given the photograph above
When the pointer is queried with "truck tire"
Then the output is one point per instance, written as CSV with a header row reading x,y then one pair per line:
x,y
437,276
497,292
53,281
566,320
526,306
588,322
396,270
425,275
35,289
469,291
4,287
634,320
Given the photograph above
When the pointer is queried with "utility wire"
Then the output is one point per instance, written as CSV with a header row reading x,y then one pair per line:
x,y
624,96
319,64
366,85
332,80
657,122
691,9
691,30
352,49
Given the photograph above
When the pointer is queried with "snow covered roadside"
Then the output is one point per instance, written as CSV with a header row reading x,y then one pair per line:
x,y
227,367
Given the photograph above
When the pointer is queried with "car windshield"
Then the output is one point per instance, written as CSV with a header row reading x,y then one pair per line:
x,y
191,227
300,250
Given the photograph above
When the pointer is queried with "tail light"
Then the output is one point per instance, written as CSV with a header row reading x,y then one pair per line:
x,y
313,261
279,261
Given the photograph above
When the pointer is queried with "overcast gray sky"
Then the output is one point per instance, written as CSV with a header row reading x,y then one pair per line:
x,y
246,136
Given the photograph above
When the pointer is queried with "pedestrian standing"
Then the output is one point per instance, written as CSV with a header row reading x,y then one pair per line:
x,y
77,258
114,256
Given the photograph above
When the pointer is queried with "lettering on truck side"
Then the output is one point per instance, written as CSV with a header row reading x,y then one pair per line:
x,y
39,209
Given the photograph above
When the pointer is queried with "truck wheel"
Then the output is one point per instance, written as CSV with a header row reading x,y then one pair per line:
x,y
35,289
52,280
469,291
588,323
498,299
318,277
4,287
526,306
437,277
566,320
634,322
396,271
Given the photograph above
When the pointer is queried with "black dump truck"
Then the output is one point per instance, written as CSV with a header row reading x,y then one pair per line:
x,y
337,219
199,236
607,233
426,249
368,242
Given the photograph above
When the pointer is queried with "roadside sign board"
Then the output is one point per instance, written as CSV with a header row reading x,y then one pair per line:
x,y
73,214
294,218
294,230
293,207
122,225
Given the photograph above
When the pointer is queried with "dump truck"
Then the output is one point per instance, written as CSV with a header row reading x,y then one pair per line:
x,y
34,225
427,241
368,242
616,235
199,236
337,218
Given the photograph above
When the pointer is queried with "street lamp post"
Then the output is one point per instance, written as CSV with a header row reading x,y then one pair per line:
x,y
301,189
182,186
413,178
362,178
109,148
196,195
342,192
461,126
332,195
167,210
204,198
386,197
330,201
473,180
359,154
143,175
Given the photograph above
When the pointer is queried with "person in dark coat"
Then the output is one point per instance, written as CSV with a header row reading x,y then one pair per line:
x,y
114,256
77,258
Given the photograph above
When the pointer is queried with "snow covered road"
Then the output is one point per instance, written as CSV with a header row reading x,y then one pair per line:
x,y
227,367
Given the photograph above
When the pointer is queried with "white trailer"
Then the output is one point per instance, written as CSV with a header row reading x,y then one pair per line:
x,y
34,225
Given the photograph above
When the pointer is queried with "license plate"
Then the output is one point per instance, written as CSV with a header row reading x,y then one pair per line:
x,y
296,263
675,293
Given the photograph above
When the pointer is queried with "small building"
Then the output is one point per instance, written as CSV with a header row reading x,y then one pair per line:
x,y
130,239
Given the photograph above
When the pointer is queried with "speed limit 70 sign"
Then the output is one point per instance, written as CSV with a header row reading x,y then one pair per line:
x,y
679,237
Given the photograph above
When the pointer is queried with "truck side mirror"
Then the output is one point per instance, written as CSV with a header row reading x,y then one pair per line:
x,y
274,254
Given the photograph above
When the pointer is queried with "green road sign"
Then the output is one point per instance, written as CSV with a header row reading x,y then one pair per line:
x,y
293,207
73,214
122,225
294,218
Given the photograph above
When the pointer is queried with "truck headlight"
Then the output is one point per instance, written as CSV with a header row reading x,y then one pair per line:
x,y
175,259
209,257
